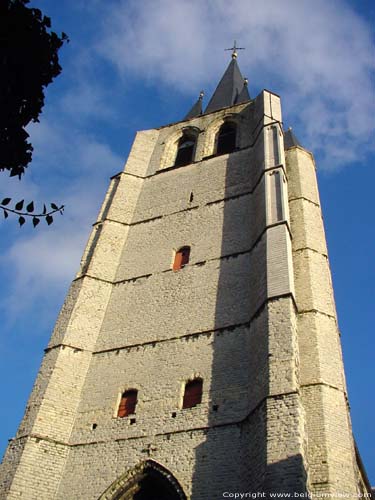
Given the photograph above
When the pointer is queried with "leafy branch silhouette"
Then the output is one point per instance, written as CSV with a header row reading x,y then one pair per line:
x,y
29,62
30,211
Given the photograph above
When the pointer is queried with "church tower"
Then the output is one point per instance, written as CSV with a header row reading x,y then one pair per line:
x,y
197,354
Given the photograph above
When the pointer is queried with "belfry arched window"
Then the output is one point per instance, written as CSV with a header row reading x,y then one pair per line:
x,y
193,393
128,403
185,150
226,138
181,258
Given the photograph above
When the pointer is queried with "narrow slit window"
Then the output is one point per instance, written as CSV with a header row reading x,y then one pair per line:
x,y
181,258
226,139
193,393
128,403
185,150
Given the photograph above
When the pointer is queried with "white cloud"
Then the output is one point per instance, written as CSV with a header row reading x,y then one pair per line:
x,y
71,165
318,55
85,101
75,168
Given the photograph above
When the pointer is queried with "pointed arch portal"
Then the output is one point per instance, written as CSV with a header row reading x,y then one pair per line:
x,y
147,481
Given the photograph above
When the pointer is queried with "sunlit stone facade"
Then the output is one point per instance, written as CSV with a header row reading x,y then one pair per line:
x,y
251,314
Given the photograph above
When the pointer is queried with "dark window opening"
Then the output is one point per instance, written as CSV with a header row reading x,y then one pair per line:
x,y
193,393
226,139
147,481
128,403
185,151
181,258
153,485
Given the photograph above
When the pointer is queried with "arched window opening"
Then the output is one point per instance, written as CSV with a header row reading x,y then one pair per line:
x,y
193,393
226,138
181,258
185,150
128,403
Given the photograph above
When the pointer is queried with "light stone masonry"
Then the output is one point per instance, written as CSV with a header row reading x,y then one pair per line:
x,y
251,314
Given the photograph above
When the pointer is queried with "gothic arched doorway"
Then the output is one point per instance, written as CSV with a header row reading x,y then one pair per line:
x,y
147,481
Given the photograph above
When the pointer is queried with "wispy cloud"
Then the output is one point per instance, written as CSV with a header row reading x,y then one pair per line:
x,y
72,161
300,49
85,101
318,55
44,261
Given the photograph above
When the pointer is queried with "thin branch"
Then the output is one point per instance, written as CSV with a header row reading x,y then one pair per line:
x,y
60,209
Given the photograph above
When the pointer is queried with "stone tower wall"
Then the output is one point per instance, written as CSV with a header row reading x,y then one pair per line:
x,y
211,319
331,455
244,315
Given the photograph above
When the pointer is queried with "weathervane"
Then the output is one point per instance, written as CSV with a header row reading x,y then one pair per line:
x,y
234,50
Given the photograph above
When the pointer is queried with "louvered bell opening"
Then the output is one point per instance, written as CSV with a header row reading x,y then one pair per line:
x,y
185,152
226,142
193,393
127,404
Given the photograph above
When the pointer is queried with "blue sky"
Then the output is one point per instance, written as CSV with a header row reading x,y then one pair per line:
x,y
137,65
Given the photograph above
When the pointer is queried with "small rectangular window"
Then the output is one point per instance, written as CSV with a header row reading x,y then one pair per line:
x,y
193,393
181,258
128,403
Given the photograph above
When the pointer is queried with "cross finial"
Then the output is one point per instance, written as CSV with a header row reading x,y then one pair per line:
x,y
234,50
150,448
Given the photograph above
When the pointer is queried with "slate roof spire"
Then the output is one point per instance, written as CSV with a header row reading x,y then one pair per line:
x,y
290,140
244,95
232,88
196,110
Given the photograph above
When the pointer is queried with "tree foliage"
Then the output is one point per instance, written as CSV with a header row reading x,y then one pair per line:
x,y
28,63
30,211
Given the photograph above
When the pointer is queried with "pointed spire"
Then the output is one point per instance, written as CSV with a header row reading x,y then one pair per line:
x,y
196,110
244,95
290,140
231,89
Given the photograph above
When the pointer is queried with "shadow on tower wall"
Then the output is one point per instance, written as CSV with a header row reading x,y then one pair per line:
x,y
233,454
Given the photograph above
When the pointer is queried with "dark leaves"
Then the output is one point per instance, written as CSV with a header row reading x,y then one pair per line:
x,y
30,211
37,13
47,21
19,206
33,58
